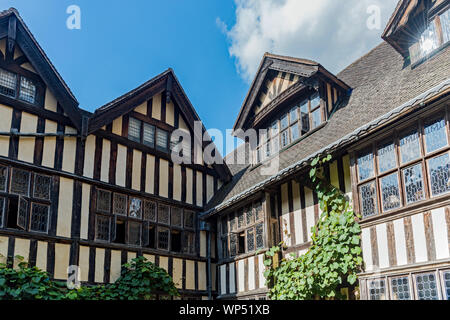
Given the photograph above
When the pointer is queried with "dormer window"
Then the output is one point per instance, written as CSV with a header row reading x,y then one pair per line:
x,y
8,87
435,36
297,121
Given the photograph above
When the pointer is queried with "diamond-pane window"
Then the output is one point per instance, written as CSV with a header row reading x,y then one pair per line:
x,y
258,211
163,214
42,187
365,166
413,183
390,194
3,177
189,219
240,218
27,90
439,171
386,157
176,217
8,83
377,290
250,240
249,215
233,244
120,204
232,222
435,135
134,129
39,217
20,182
102,228
135,208
409,147
426,287
163,238
149,211
400,289
103,201
368,199
259,236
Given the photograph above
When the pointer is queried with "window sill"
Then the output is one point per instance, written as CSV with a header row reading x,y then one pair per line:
x,y
411,209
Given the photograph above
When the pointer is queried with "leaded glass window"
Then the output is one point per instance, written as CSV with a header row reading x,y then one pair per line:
x,y
304,116
134,129
368,195
284,122
163,238
316,118
445,24
135,208
189,219
386,157
22,213
42,187
285,138
377,290
250,240
365,166
295,134
20,182
134,233
426,287
446,278
177,217
439,171
233,244
232,222
435,135
149,211
102,228
409,147
240,218
400,289
103,201
413,183
258,211
315,101
390,195
27,90
149,135
120,204
259,236
164,214
162,139
39,217
8,81
249,215
274,129
3,177
189,242
293,115
224,226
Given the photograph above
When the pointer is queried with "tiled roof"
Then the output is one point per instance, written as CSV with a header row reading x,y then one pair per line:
x,y
380,82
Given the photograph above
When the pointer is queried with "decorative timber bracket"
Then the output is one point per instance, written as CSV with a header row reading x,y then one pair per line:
x,y
169,85
12,31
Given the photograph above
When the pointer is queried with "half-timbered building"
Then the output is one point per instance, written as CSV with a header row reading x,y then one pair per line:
x,y
385,121
95,190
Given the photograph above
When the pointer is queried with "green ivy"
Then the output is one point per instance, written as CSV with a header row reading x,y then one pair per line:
x,y
334,258
139,280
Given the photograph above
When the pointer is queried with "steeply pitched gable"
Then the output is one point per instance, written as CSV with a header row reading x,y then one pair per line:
x,y
17,34
275,76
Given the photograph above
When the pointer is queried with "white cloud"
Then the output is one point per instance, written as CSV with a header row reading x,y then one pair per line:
x,y
331,32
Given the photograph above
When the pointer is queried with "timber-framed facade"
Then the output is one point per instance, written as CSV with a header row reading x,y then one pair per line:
x,y
97,189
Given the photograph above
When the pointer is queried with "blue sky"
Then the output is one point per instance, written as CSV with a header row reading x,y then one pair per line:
x,y
214,47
